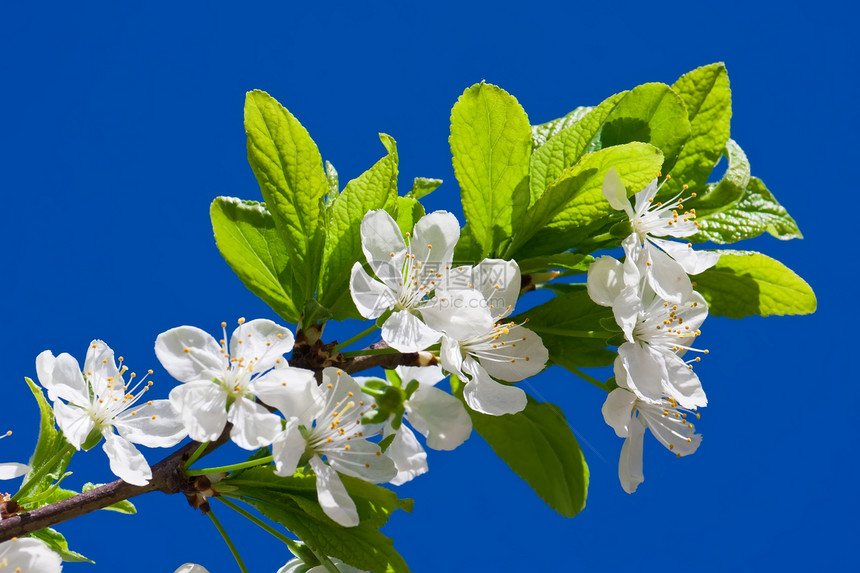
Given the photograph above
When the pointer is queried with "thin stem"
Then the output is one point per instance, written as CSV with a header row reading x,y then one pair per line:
x,y
294,547
326,562
230,468
370,352
355,338
571,333
588,378
195,455
227,540
46,467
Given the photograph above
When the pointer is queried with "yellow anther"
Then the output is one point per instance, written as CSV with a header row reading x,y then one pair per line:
x,y
186,350
346,447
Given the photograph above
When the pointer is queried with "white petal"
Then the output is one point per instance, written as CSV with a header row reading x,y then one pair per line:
x,y
485,395
500,282
439,416
451,356
332,495
11,470
406,332
692,261
100,367
605,280
287,449
126,462
76,423
61,377
260,343
203,409
643,369
666,276
370,296
682,383
293,391
615,193
633,261
439,230
409,457
254,426
362,460
190,354
673,431
644,197
461,314
630,461
154,425
28,555
626,310
425,375
618,409
520,354
191,568
383,245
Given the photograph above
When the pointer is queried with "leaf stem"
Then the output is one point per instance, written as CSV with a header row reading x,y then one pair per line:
x,y
587,378
230,468
571,333
296,549
195,455
40,473
370,352
355,338
228,541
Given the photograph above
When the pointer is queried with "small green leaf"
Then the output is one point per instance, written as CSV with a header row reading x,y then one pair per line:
x,y
545,131
746,283
409,210
757,212
124,506
423,186
333,182
467,251
708,99
567,261
290,172
57,543
540,447
720,196
491,143
50,442
376,188
246,235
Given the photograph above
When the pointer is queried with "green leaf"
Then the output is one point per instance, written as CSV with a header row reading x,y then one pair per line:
x,y
409,210
540,447
567,261
57,543
491,143
333,182
570,327
376,188
246,235
543,132
576,199
757,212
720,196
292,501
290,172
708,99
124,506
467,251
746,283
50,442
423,186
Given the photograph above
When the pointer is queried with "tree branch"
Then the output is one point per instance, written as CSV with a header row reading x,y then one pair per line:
x,y
387,361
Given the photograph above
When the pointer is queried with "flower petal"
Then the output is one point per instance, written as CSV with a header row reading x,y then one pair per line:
x,y
630,462
11,470
260,343
154,425
332,495
202,407
520,354
191,568
618,409
76,423
408,456
370,296
615,193
406,332
424,375
451,356
641,369
190,354
485,395
287,449
126,462
433,240
293,391
61,377
461,314
383,246
363,460
254,426
671,429
666,276
692,261
101,368
29,555
500,283
605,280
683,384
439,416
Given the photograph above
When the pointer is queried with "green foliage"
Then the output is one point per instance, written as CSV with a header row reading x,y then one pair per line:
x,y
249,241
292,502
423,186
575,263
720,196
124,506
491,144
376,188
57,543
50,442
746,283
543,132
540,447
757,212
290,172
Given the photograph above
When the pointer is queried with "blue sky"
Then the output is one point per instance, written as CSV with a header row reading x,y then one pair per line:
x,y
122,121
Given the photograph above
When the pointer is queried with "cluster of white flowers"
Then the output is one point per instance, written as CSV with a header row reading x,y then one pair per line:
x,y
28,555
654,304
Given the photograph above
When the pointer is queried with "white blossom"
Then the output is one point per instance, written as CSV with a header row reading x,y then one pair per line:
x,y
221,382
298,566
191,568
407,272
28,555
326,421
99,400
11,470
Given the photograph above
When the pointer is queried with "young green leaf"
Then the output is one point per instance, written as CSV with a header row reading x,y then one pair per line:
x,y
757,212
543,132
56,541
246,235
50,442
720,196
290,172
409,210
423,186
491,143
566,261
540,447
708,99
333,182
376,188
746,283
